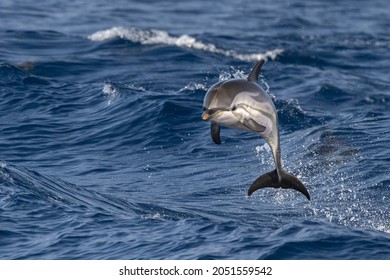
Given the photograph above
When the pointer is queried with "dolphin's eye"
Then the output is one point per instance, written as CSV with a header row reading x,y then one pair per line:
x,y
234,108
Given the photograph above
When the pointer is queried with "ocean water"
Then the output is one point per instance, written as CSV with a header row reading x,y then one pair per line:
x,y
103,154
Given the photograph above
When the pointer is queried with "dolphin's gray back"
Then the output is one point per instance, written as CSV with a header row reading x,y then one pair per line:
x,y
225,92
241,91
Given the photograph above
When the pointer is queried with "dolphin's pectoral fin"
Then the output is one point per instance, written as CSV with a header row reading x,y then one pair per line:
x,y
271,180
215,129
253,125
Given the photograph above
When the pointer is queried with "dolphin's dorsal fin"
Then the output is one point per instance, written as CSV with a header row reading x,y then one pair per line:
x,y
254,75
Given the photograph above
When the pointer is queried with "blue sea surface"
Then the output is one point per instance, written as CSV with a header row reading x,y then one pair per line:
x,y
103,153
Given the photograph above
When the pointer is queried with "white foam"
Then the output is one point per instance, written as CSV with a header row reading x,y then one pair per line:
x,y
110,91
153,36
236,74
262,148
239,74
263,81
193,86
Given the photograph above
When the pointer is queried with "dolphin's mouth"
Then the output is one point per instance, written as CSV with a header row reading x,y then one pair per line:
x,y
209,113
206,116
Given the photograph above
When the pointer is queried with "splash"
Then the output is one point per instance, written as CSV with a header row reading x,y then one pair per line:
x,y
264,155
154,37
267,87
110,91
349,207
338,196
239,74
193,86
235,74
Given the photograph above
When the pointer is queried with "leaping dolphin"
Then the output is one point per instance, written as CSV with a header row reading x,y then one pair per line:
x,y
243,104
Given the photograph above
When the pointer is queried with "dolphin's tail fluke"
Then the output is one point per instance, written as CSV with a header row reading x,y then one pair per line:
x,y
271,180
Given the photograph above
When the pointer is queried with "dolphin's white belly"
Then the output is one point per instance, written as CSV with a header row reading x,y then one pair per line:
x,y
236,118
228,119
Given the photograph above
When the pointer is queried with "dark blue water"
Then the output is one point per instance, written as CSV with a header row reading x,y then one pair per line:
x,y
103,154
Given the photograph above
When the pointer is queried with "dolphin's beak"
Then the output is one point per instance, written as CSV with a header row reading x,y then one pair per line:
x,y
206,116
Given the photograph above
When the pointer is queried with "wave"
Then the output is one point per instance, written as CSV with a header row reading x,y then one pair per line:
x,y
154,37
318,240
20,186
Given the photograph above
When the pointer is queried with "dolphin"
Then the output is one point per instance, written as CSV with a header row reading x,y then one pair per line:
x,y
243,104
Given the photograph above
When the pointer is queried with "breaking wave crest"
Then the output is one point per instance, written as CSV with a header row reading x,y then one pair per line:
x,y
154,36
